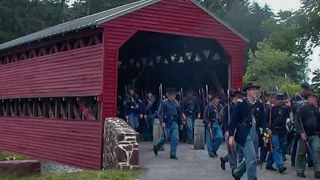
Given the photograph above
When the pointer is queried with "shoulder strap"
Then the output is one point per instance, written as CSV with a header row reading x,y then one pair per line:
x,y
248,115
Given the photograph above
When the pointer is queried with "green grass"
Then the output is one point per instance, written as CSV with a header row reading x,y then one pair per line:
x,y
4,155
86,175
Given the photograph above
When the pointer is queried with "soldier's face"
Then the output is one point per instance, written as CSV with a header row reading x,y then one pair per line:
x,y
216,100
149,95
253,92
312,100
131,92
172,96
304,91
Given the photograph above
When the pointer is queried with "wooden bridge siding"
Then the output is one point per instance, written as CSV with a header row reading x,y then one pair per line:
x,y
76,72
173,17
75,143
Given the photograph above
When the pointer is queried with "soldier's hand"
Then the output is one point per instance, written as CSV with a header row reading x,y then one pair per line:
x,y
145,116
199,116
231,141
209,125
226,134
303,136
288,103
269,132
163,125
184,116
141,116
181,127
127,118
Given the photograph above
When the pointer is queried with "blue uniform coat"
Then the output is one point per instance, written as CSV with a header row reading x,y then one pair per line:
x,y
240,112
168,112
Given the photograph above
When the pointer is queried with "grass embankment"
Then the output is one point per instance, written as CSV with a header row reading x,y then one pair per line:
x,y
86,175
4,155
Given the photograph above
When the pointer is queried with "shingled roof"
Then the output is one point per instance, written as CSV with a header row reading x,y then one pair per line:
x,y
95,20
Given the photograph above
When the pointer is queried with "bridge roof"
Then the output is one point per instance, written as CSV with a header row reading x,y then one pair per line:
x,y
95,20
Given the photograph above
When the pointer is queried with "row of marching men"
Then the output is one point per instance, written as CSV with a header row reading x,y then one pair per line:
x,y
248,123
140,111
253,123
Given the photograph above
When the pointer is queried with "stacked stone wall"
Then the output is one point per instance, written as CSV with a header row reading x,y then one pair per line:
x,y
121,147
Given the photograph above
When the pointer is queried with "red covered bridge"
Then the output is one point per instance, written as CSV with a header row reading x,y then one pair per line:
x,y
59,84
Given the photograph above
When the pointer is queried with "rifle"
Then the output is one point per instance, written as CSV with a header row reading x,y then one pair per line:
x,y
207,94
143,95
306,141
182,108
229,111
161,100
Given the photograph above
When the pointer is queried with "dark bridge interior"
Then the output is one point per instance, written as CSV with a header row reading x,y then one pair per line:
x,y
148,59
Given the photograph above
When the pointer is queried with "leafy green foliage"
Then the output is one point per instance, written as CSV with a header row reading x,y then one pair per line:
x,y
267,65
316,80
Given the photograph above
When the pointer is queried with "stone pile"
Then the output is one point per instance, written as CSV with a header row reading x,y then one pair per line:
x,y
121,148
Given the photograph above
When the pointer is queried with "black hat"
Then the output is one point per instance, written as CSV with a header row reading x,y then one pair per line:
x,y
250,86
280,96
236,93
305,85
171,91
213,94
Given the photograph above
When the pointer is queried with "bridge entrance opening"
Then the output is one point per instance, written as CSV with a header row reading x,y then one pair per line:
x,y
149,59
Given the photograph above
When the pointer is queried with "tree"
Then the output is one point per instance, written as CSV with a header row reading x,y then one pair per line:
x,y
268,66
311,24
316,80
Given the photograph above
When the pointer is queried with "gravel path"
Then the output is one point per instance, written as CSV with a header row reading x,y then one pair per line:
x,y
47,167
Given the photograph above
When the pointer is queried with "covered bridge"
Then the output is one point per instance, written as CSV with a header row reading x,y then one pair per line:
x,y
59,84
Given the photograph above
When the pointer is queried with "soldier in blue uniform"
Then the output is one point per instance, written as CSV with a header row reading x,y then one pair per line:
x,y
296,101
277,113
263,150
169,114
150,111
133,107
236,154
246,120
307,122
191,111
212,116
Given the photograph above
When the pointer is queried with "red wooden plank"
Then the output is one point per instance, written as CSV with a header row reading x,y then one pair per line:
x,y
71,143
63,73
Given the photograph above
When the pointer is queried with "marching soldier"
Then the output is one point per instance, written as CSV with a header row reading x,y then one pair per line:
x,y
212,117
277,115
307,121
150,111
191,111
246,120
263,150
169,114
236,151
133,107
296,101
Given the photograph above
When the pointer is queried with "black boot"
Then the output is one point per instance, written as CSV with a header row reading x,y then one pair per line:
x,y
155,150
271,168
317,175
222,163
173,157
234,175
282,169
301,175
